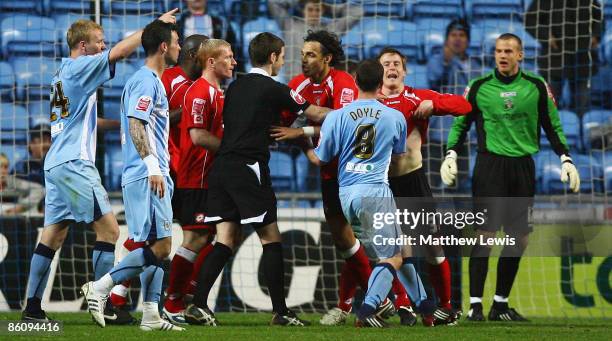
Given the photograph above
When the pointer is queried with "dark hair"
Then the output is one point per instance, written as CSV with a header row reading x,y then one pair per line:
x,y
509,36
458,25
392,50
262,46
155,33
191,45
369,75
330,44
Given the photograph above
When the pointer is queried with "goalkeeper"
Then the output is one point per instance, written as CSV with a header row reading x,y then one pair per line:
x,y
509,106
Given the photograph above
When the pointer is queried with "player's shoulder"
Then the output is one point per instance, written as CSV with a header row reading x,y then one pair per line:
x,y
342,78
300,81
533,77
174,74
481,79
144,79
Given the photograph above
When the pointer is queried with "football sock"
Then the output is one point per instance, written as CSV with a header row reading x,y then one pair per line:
x,y
180,272
379,285
500,302
118,296
478,268
132,265
40,266
401,297
189,289
151,280
103,258
347,286
274,273
507,267
212,267
360,264
440,278
411,281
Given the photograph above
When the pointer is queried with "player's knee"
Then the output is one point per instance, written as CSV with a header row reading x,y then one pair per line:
x,y
196,239
161,248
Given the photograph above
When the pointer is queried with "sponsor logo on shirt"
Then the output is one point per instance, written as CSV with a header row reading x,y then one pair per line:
x,y
347,96
197,110
144,102
297,97
57,128
360,168
507,94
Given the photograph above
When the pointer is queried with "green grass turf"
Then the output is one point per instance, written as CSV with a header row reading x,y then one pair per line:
x,y
248,327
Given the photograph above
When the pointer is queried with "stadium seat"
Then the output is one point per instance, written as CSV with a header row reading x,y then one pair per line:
x,y
391,8
13,123
254,27
490,29
14,152
69,6
33,76
571,128
26,34
302,168
114,87
592,119
113,166
417,76
601,87
7,82
39,112
352,41
145,7
432,32
607,168
439,126
478,9
25,6
402,35
293,204
112,109
62,24
549,166
281,171
434,8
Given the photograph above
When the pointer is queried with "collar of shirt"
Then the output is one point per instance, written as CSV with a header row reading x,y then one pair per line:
x,y
506,79
260,71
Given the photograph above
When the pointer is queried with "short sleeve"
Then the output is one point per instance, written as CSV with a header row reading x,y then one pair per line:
x,y
93,70
196,109
399,147
329,136
289,99
345,92
141,100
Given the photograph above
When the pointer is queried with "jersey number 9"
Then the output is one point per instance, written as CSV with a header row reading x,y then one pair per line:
x,y
365,137
58,100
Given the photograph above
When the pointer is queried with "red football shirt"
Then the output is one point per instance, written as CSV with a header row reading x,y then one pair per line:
x,y
337,90
202,109
444,104
176,84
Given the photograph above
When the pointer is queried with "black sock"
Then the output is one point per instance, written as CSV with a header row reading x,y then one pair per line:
x,y
33,305
211,268
507,267
274,273
479,266
476,306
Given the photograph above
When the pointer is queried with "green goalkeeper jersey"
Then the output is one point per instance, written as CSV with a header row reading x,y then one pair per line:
x,y
509,112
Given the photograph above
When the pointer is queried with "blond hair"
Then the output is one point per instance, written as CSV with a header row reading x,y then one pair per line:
x,y
5,158
211,48
80,30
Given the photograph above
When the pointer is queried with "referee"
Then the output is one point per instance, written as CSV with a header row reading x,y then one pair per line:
x,y
239,186
509,105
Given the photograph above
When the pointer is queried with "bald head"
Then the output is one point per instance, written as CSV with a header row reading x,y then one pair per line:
x,y
188,59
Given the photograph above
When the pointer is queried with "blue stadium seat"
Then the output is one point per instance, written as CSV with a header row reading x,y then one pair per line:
x,y
601,87
302,167
33,76
434,8
293,204
14,152
25,6
112,109
432,32
479,9
439,126
114,87
571,128
402,35
281,171
13,123
7,82
417,76
390,8
69,6
591,120
62,24
490,29
39,112
352,41
26,34
254,27
148,7
113,166
549,166
607,169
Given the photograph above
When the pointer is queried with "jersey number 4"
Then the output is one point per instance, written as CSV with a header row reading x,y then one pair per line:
x,y
59,101
365,137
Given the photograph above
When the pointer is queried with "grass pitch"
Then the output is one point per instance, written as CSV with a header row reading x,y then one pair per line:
x,y
251,326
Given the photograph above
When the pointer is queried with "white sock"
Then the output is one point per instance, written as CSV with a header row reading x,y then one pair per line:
x,y
150,311
120,290
187,254
104,285
346,254
500,299
475,300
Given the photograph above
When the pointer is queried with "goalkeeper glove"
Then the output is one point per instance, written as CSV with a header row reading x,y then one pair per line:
x,y
448,171
569,172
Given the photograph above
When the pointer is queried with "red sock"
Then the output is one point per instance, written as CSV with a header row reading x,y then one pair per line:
x,y
189,289
347,288
119,298
180,271
440,278
401,297
360,265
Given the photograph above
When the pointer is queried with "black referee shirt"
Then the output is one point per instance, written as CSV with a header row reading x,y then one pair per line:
x,y
253,103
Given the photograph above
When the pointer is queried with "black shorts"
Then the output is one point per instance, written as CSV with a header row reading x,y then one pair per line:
x,y
330,193
413,184
504,177
191,208
240,191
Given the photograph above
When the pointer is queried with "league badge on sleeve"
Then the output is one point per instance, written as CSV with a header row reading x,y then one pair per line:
x,y
347,96
144,102
197,110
